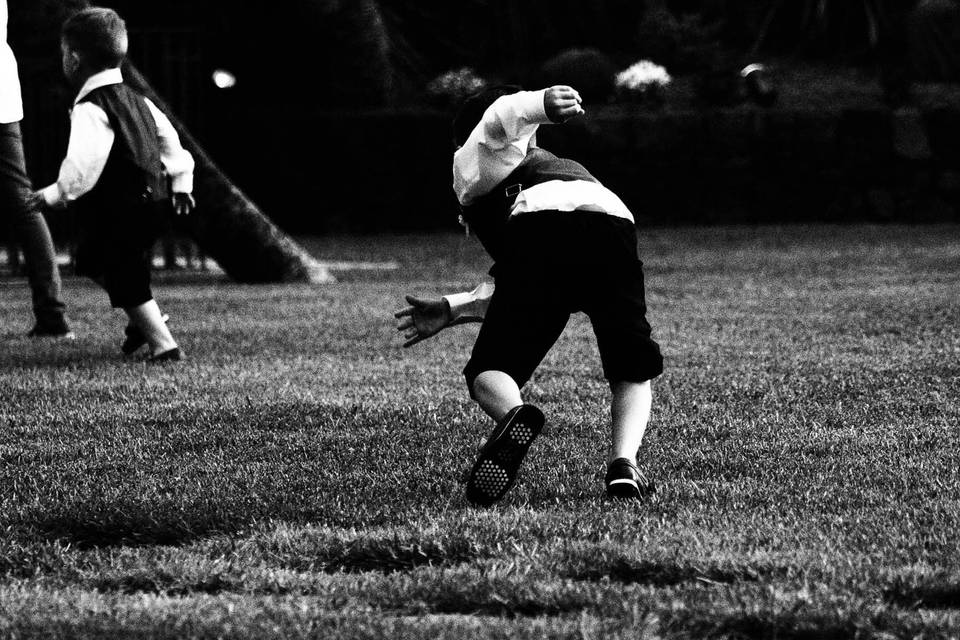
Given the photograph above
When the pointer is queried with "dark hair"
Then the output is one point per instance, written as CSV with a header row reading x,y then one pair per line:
x,y
99,34
472,109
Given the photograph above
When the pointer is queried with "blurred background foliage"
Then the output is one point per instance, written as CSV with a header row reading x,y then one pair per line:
x,y
326,88
386,52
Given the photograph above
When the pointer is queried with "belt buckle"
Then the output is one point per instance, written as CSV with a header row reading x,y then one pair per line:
x,y
513,190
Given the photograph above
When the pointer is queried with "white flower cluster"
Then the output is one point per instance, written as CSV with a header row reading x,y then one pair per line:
x,y
456,83
641,75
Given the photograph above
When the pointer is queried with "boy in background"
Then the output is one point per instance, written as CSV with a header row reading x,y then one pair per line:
x,y
121,153
562,243
16,200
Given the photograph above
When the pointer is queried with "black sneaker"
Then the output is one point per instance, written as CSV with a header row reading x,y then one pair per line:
x,y
135,338
60,331
624,481
496,468
170,355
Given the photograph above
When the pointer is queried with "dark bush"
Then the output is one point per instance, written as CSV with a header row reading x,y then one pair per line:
x,y
687,44
590,71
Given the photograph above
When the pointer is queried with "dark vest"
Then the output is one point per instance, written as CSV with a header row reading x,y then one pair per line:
x,y
134,172
488,214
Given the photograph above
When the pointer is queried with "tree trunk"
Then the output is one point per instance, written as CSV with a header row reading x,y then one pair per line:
x,y
229,226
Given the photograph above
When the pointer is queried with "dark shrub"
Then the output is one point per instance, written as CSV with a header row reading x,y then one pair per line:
x,y
590,71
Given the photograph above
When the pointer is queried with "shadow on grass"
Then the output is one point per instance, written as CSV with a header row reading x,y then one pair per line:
x,y
108,528
664,574
173,478
933,595
596,565
755,627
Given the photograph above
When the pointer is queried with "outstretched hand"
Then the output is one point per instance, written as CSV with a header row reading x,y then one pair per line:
x,y
561,103
422,319
183,204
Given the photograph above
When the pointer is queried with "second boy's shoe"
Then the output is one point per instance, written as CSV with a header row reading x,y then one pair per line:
x,y
58,330
624,481
135,338
499,462
170,355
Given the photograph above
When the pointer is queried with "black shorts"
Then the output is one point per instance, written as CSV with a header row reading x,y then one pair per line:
x,y
557,263
116,249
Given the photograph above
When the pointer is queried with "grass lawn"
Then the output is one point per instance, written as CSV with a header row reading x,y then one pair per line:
x,y
299,475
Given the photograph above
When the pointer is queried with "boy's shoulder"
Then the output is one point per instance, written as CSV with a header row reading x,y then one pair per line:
x,y
113,94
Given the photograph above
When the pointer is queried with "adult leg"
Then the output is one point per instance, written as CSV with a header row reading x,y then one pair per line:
x,y
33,233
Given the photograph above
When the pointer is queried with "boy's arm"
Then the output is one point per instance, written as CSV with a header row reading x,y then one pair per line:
x,y
177,161
87,151
425,318
498,144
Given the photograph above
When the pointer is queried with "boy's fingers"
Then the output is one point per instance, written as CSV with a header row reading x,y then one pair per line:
x,y
405,324
410,343
567,93
403,312
568,112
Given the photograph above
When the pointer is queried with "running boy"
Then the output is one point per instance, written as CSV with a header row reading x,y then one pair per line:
x,y
121,153
561,243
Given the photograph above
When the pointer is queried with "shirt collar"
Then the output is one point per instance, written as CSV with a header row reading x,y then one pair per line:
x,y
100,79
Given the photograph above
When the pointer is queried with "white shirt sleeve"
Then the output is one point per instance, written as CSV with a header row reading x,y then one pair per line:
x,y
470,306
91,139
176,160
498,144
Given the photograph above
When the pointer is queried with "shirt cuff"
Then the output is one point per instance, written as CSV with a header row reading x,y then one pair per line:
x,y
51,195
182,183
531,105
459,303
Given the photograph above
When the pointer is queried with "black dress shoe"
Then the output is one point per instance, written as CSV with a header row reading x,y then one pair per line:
x,y
624,481
60,330
170,355
135,338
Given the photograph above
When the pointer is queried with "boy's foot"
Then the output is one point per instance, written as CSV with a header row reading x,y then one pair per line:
x,y
624,481
135,338
170,355
496,468
58,330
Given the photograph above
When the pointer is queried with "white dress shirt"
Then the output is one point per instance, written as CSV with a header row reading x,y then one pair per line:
x,y
11,103
91,138
497,146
